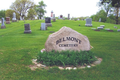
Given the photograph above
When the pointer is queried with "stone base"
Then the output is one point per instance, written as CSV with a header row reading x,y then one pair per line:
x,y
27,31
48,24
110,30
2,27
96,30
14,20
43,28
89,25
54,20
7,22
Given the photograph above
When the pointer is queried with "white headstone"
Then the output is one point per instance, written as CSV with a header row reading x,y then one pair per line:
x,y
100,20
102,26
3,25
43,26
14,17
118,30
99,27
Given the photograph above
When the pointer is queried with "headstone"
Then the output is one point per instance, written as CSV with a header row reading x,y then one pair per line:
x,y
14,17
0,21
48,21
118,30
3,25
75,19
115,27
7,20
110,30
93,28
61,17
107,29
102,26
67,39
99,27
100,20
43,26
27,28
54,18
88,22
68,16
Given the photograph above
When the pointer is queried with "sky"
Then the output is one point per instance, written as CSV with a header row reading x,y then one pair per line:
x,y
76,8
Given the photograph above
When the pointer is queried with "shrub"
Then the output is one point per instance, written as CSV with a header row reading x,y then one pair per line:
x,y
66,58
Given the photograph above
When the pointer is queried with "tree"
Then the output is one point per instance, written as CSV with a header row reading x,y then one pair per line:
x,y
114,3
9,13
40,9
107,7
31,13
22,6
101,14
2,14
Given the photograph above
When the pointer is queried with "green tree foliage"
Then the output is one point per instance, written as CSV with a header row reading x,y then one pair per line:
x,y
9,13
114,3
40,9
101,14
2,14
107,8
31,14
22,6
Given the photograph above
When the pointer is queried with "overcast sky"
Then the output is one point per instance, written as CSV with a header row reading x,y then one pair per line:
x,y
76,8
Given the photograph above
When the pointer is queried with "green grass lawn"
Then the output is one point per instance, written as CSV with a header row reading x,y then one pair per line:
x,y
18,49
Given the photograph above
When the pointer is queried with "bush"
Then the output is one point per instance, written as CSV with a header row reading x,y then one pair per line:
x,y
65,58
110,21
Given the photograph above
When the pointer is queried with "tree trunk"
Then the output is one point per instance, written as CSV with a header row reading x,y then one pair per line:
x,y
117,15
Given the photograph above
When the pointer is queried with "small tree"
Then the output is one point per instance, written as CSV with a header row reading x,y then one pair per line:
x,y
31,14
9,13
40,9
2,14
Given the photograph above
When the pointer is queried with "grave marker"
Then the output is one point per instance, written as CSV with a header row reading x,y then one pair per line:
x,y
43,26
68,16
54,18
48,21
27,28
7,20
100,20
118,30
14,17
88,22
3,25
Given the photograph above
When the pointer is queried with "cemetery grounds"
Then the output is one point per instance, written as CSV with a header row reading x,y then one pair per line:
x,y
18,49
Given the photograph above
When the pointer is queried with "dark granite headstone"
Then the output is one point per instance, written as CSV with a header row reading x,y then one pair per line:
x,y
3,25
7,20
68,16
48,21
27,28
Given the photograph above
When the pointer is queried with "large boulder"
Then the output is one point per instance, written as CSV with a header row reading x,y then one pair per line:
x,y
67,39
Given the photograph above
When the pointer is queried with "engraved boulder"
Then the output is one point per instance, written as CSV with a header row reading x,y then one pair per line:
x,y
67,39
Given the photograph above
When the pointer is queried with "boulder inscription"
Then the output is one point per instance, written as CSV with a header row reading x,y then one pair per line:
x,y
67,39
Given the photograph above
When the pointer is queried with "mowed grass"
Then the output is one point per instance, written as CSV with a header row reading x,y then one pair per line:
x,y
18,49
